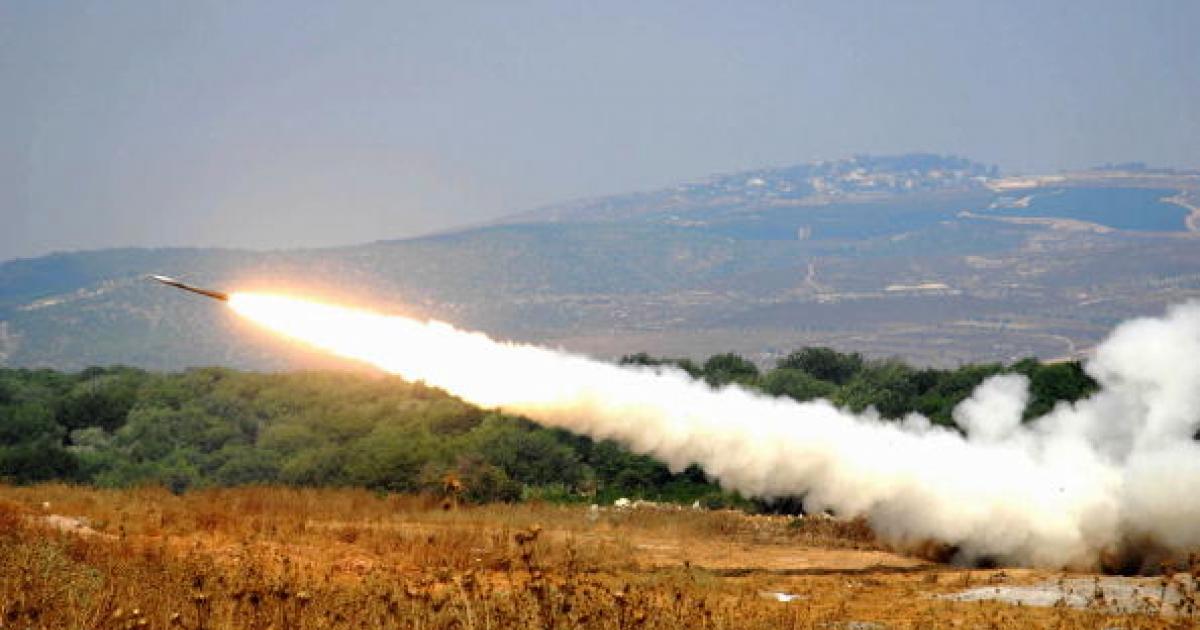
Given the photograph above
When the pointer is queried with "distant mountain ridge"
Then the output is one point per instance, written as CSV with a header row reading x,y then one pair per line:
x,y
856,177
935,258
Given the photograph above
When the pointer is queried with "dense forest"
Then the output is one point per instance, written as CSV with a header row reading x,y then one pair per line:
x,y
120,426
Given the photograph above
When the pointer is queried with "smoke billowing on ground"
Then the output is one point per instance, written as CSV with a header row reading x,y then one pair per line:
x,y
1111,476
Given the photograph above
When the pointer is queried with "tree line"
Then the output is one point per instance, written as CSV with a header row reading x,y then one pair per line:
x,y
121,426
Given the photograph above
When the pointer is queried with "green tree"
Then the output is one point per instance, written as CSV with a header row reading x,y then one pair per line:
x,y
823,363
151,433
796,384
322,466
37,460
527,453
1050,383
27,422
391,458
721,369
942,390
101,398
889,386
483,482
239,464
641,358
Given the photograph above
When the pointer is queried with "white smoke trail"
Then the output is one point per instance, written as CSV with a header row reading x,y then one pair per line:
x,y
1054,492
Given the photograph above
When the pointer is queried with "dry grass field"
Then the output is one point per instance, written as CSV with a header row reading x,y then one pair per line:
x,y
257,558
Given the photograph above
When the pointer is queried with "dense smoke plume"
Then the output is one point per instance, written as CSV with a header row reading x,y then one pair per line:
x,y
1059,491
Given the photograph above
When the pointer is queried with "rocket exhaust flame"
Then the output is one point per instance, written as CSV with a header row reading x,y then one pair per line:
x,y
1056,492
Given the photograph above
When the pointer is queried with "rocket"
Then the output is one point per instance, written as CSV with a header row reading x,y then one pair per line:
x,y
172,282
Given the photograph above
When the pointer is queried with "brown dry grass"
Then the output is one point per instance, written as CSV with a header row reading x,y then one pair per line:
x,y
294,558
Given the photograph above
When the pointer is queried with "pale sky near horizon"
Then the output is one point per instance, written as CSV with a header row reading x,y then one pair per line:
x,y
297,124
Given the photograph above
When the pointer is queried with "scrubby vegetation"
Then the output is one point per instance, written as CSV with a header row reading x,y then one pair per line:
x,y
120,427
257,558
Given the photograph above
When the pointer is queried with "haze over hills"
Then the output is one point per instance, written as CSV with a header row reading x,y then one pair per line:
x,y
936,259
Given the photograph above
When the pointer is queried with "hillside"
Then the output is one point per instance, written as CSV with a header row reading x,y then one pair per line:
x,y
936,259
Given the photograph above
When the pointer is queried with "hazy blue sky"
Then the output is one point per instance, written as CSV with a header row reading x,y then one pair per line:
x,y
283,124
